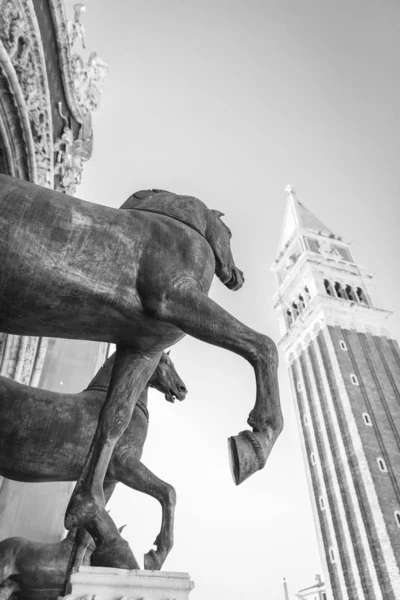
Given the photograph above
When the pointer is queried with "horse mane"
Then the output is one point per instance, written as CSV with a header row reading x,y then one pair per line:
x,y
187,209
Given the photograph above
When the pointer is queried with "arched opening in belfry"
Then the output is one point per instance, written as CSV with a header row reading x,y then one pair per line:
x,y
340,293
328,288
361,296
302,303
351,294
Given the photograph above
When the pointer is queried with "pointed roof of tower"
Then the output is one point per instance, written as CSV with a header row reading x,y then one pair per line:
x,y
297,216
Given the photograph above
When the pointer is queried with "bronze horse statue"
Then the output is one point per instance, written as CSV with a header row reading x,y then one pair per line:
x,y
139,278
45,436
35,570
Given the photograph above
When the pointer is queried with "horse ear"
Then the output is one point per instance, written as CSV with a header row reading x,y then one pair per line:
x,y
120,529
168,353
218,213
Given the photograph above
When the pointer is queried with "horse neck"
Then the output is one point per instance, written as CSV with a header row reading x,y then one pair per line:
x,y
143,398
101,380
209,233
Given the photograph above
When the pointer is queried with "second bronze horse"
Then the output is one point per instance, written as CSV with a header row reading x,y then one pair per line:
x,y
51,435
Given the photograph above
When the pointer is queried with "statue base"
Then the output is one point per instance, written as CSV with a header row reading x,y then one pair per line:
x,y
102,583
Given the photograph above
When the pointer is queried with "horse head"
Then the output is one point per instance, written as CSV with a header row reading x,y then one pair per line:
x,y
166,380
219,237
194,213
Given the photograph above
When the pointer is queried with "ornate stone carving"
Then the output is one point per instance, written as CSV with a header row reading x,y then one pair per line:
x,y
75,28
88,80
71,154
83,79
20,35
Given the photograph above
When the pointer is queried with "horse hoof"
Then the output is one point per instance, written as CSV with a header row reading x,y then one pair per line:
x,y
115,554
248,453
151,562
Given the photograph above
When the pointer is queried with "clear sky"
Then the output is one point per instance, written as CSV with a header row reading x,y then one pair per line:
x,y
229,101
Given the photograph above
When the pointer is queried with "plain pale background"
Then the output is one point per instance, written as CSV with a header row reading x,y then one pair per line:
x,y
230,101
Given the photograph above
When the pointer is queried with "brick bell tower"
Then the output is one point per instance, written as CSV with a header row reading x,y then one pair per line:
x,y
344,370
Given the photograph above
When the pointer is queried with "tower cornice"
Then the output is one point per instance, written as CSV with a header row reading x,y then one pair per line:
x,y
331,266
327,310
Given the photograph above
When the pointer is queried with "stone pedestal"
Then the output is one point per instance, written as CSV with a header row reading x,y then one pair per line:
x,y
100,583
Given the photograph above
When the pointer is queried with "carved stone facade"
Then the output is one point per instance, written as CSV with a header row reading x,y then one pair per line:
x,y
344,370
49,88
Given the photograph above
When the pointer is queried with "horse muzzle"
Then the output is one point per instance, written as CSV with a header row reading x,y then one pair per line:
x,y
236,280
177,393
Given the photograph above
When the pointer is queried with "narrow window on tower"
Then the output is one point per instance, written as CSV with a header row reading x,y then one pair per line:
x,y
354,379
301,303
321,503
332,555
397,517
367,419
382,465
299,386
313,459
343,345
305,419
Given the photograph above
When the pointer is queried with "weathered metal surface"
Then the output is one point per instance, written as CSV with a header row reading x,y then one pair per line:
x,y
137,278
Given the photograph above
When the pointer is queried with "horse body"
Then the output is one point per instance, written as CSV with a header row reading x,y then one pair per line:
x,y
37,423
46,436
75,269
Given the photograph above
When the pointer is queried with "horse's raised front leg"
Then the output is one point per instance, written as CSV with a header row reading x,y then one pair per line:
x,y
197,315
137,476
130,373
